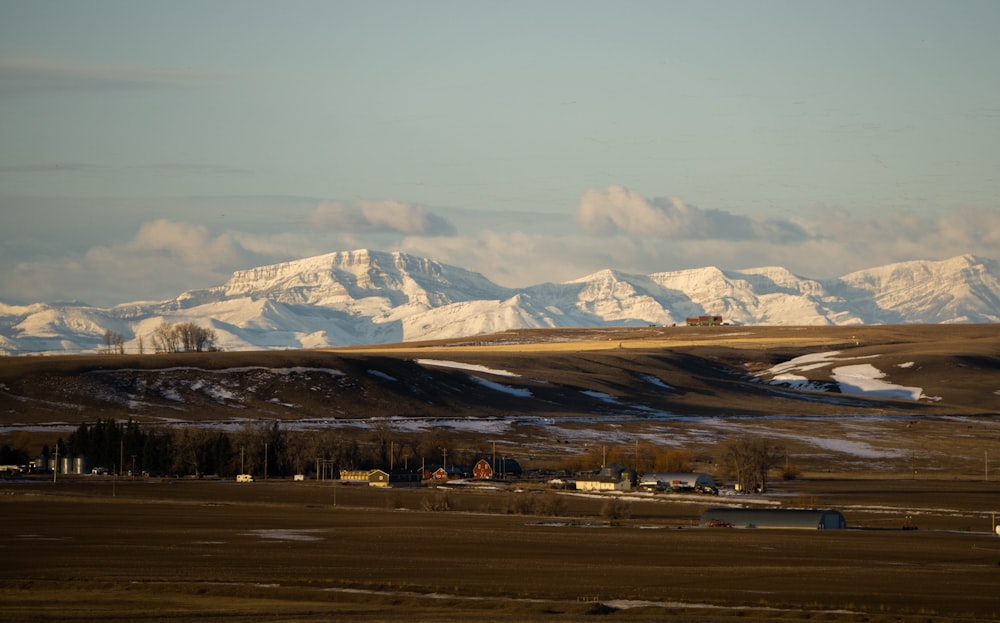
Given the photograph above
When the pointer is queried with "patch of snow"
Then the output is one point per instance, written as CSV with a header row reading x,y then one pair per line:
x,y
283,534
812,361
649,378
908,364
171,394
382,375
795,381
600,396
859,449
216,392
865,380
471,367
513,391
805,362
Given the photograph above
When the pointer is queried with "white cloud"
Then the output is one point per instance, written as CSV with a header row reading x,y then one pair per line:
x,y
190,244
620,210
379,216
160,258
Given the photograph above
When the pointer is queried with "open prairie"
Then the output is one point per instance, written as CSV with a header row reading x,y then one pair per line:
x,y
97,550
894,426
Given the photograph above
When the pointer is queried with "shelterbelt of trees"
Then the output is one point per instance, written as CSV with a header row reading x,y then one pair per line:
x,y
184,337
265,448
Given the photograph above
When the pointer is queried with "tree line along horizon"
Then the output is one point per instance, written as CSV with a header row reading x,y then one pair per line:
x,y
265,448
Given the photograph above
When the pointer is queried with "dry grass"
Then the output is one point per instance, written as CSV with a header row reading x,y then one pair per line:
x,y
707,367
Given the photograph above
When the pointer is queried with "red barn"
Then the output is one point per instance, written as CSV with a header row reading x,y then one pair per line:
x,y
505,468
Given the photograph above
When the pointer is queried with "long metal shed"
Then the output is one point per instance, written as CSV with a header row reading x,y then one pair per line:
x,y
683,479
802,519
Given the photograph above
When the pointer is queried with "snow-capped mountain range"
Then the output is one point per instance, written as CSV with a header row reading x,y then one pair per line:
x,y
372,297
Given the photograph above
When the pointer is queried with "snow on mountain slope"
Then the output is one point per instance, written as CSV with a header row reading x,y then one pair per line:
x,y
960,289
370,297
337,278
758,296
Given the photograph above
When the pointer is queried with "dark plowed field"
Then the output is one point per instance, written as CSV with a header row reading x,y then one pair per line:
x,y
91,550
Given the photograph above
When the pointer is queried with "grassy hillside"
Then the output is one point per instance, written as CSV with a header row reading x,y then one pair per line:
x,y
680,370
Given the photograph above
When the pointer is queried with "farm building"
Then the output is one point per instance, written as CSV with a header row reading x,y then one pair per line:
x,y
612,477
703,321
451,472
354,476
802,519
505,468
379,478
602,483
676,480
382,478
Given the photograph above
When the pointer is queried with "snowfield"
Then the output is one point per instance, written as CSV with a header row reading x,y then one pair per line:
x,y
855,379
866,380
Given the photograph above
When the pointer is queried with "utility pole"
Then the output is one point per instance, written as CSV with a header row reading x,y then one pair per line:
x,y
55,468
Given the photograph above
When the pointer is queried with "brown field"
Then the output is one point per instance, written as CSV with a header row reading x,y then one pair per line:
x,y
94,549
104,549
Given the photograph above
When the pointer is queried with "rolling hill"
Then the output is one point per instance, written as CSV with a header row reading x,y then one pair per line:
x,y
532,376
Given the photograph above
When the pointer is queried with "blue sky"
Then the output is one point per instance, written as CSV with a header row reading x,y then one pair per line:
x,y
147,148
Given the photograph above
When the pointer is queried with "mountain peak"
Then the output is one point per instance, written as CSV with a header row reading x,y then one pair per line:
x,y
366,296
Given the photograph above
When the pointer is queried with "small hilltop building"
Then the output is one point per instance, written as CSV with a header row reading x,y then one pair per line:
x,y
704,321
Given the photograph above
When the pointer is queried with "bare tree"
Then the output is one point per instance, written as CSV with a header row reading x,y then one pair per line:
x,y
183,337
164,339
195,338
114,343
747,461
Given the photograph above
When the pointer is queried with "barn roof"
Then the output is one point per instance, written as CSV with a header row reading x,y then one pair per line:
x,y
773,518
